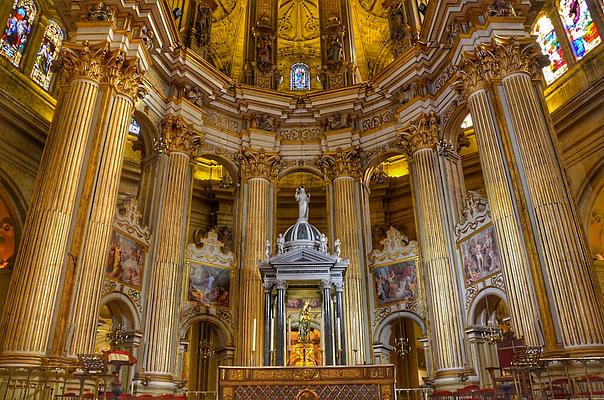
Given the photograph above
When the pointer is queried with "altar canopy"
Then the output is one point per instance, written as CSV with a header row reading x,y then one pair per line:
x,y
303,296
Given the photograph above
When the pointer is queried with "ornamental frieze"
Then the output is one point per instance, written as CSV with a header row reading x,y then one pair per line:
x,y
376,120
300,134
221,122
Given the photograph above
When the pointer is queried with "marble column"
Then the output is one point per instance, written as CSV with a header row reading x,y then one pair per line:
x,y
340,353
516,263
35,287
179,142
343,168
268,315
257,170
124,81
563,269
565,257
419,145
280,324
327,333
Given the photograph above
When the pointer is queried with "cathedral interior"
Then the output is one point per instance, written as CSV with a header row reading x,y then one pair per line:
x,y
302,199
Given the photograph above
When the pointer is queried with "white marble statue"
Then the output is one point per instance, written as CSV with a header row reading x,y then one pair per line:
x,y
323,246
336,248
267,249
303,199
280,243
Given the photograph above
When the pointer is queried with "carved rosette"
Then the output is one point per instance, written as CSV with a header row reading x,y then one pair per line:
x,y
179,137
423,133
492,61
259,164
341,163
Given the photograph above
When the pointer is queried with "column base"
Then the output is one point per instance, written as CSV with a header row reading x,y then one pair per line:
x,y
454,379
22,359
155,384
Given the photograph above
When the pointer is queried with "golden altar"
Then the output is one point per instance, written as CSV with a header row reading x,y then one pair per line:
x,y
363,382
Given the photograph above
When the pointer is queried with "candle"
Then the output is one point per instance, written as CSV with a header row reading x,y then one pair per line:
x,y
272,334
254,337
338,337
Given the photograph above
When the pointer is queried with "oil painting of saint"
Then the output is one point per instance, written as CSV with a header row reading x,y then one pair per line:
x,y
209,285
396,282
480,256
126,260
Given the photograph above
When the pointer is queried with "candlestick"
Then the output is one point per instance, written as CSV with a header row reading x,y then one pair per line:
x,y
272,334
254,337
338,338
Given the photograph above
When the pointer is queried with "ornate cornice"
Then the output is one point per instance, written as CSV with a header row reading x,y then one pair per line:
x,y
341,163
492,61
258,164
179,137
423,133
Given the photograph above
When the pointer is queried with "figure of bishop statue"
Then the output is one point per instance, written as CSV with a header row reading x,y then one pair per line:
x,y
303,198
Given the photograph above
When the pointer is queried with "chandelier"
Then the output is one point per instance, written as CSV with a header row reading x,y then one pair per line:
x,y
493,333
117,336
402,347
205,349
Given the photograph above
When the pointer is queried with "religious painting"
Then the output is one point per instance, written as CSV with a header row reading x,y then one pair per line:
x,y
297,304
209,284
17,30
126,260
551,47
480,255
579,25
48,52
7,237
396,282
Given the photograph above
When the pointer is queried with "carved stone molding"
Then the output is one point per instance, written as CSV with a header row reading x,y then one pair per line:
x,y
125,75
394,246
128,218
179,137
258,164
492,61
495,281
474,215
99,12
300,134
82,61
423,133
211,250
376,120
337,121
341,163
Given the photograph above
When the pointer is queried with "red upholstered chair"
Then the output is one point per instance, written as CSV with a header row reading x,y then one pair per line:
x,y
590,386
471,392
487,394
442,395
144,397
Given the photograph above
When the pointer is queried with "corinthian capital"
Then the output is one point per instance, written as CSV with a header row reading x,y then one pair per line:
x,y
423,133
82,61
258,164
125,76
179,137
342,163
492,61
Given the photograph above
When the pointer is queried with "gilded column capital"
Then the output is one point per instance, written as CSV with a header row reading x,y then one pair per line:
x,y
125,76
492,61
179,137
423,133
258,164
82,61
341,163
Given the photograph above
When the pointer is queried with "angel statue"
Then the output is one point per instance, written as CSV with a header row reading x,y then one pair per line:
x,y
336,248
267,249
280,243
303,199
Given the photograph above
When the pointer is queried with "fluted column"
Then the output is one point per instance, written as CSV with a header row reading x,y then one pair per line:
x,y
162,304
419,145
257,170
516,264
569,299
343,168
566,260
124,81
30,309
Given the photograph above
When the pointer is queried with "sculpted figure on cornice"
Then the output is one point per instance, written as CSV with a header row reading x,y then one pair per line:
x,y
99,12
337,121
423,133
334,43
264,35
264,121
342,163
259,164
501,8
492,61
179,137
195,95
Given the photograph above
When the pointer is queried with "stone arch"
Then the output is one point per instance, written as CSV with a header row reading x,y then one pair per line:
x,y
301,168
225,332
452,127
123,310
149,131
381,333
230,166
474,311
376,160
588,192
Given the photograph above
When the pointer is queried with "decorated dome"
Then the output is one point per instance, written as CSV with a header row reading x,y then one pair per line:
x,y
302,233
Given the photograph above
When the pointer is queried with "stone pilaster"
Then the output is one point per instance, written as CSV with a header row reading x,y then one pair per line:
x,y
419,145
124,81
562,265
36,283
343,168
179,142
257,170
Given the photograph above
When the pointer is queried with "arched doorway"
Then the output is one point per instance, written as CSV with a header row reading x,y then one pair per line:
x,y
407,352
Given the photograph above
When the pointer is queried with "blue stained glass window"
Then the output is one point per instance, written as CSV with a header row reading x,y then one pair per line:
x,y
48,52
17,30
134,127
579,25
299,77
550,46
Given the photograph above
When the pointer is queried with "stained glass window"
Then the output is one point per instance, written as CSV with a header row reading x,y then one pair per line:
x,y
134,128
550,46
17,30
49,50
579,26
299,77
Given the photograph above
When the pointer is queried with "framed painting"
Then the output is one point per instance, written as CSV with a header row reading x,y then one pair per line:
x,y
396,282
126,260
480,255
209,284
